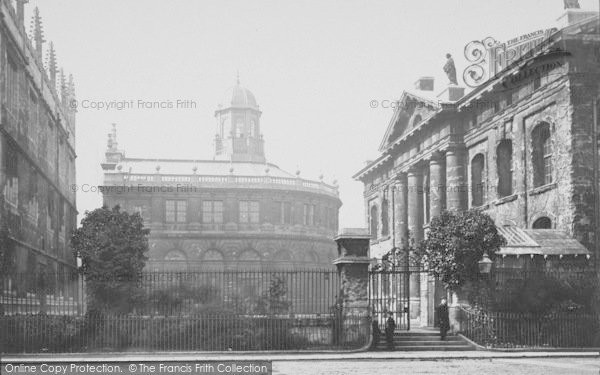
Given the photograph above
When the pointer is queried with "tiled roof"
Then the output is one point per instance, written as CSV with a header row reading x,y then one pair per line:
x,y
539,242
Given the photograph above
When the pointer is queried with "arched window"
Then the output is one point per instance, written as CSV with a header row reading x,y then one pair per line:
x,y
374,221
384,218
416,121
504,165
477,183
542,155
542,223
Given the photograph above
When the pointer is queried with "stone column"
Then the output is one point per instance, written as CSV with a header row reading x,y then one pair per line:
x,y
415,228
456,187
415,204
437,183
401,208
353,270
437,180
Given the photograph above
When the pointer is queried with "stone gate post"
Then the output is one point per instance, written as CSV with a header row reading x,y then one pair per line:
x,y
353,269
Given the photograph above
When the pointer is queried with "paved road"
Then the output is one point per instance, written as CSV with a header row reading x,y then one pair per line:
x,y
529,366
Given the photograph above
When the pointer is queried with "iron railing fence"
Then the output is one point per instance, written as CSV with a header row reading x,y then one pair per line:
x,y
527,330
53,293
310,291
298,291
214,332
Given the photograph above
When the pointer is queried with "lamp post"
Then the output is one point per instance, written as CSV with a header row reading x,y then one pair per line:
x,y
79,261
485,264
485,267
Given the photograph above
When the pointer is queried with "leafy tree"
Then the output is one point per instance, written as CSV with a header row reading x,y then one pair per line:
x,y
113,246
455,243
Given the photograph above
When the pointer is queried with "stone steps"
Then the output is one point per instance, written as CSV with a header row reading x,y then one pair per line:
x,y
424,340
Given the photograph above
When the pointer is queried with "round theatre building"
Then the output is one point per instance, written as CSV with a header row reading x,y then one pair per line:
x,y
237,210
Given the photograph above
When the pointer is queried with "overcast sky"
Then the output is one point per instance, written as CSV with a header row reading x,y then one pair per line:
x,y
314,67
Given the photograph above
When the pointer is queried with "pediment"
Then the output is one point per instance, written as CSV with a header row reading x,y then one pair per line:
x,y
411,109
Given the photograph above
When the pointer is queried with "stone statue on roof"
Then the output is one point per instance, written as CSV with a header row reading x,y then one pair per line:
x,y
450,69
571,4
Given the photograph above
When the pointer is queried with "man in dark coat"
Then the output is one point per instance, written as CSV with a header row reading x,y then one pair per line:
x,y
376,333
390,327
443,318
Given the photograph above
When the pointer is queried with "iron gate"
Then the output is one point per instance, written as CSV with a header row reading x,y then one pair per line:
x,y
389,292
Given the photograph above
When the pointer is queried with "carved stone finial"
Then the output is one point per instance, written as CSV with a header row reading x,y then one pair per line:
x,y
63,86
37,31
51,64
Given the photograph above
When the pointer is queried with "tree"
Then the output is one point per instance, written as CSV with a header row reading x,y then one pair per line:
x,y
113,246
455,243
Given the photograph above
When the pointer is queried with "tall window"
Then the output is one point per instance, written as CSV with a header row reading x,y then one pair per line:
x,y
212,212
504,166
51,211
309,214
249,212
285,212
12,86
175,211
374,222
542,155
477,183
542,223
384,217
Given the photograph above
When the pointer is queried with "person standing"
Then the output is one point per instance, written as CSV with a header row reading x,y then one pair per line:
x,y
390,327
376,333
443,318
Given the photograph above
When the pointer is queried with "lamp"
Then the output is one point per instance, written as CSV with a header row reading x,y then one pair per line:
x,y
485,264
79,260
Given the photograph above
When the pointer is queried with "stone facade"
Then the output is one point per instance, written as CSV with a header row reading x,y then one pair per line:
x,y
522,147
37,149
235,211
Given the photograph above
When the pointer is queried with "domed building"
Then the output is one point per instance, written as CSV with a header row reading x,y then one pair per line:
x,y
237,210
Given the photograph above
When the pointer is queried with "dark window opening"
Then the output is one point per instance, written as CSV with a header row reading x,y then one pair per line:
x,y
504,164
477,183
542,155
542,223
374,222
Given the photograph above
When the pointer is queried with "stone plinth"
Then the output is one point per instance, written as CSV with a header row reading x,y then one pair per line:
x,y
452,93
353,267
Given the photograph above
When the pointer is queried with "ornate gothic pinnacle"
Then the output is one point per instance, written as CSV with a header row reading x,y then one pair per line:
x,y
52,65
37,31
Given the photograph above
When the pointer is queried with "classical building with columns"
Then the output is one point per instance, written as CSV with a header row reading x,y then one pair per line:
x,y
237,211
521,146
